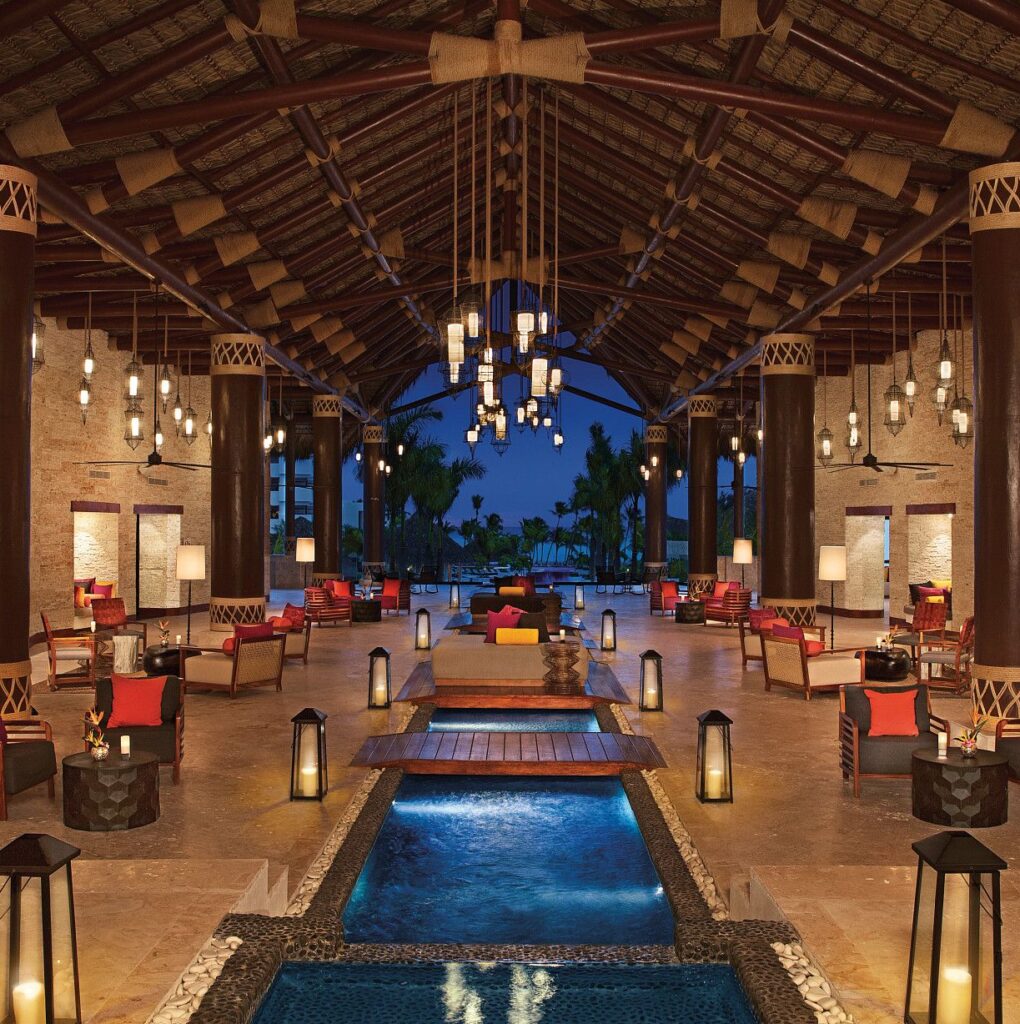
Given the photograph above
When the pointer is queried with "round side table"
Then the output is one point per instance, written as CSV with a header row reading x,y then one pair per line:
x,y
165,661
366,611
689,612
968,792
112,795
885,664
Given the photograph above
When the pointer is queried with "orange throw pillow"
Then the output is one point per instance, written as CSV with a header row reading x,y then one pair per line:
x,y
892,714
136,701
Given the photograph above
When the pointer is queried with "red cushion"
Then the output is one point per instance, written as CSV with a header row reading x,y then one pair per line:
x,y
280,623
892,714
506,617
260,631
720,588
295,614
102,589
812,648
136,701
668,588
790,632
390,588
340,588
762,618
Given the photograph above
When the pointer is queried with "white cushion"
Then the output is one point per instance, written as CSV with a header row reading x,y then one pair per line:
x,y
295,643
213,668
73,653
826,670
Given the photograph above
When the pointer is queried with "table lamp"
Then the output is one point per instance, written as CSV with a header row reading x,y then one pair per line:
x,y
832,570
190,567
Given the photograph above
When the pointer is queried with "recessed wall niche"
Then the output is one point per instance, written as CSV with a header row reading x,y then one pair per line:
x,y
96,539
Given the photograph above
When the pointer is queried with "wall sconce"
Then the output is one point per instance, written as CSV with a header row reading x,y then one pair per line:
x,y
954,975
455,595
651,682
579,597
608,630
379,678
37,911
422,630
308,773
715,762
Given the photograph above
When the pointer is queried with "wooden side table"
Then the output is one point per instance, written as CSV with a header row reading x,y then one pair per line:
x,y
112,795
968,792
689,612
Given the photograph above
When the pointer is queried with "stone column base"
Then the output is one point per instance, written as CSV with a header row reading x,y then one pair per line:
x,y
699,583
798,611
227,612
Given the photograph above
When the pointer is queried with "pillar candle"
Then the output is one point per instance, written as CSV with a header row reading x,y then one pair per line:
x,y
178,639
92,625
309,780
125,746
563,634
954,996
943,744
713,783
29,1003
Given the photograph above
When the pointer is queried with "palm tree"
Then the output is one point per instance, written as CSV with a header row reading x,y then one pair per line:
x,y
560,509
534,532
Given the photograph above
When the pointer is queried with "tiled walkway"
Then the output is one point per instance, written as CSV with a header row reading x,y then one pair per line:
x,y
837,865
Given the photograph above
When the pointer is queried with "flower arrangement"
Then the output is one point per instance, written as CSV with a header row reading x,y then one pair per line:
x,y
969,737
93,736
164,632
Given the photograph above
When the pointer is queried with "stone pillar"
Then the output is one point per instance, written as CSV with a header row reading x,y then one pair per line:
x,y
787,472
326,485
374,482
656,450
17,244
703,493
289,468
237,558
995,247
738,498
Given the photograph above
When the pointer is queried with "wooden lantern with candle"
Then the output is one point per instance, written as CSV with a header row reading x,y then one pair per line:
x,y
379,678
651,682
422,630
714,771
308,769
608,630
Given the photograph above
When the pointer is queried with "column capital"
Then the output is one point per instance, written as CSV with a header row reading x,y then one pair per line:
x,y
994,197
701,407
788,353
656,433
19,201
326,406
238,354
372,433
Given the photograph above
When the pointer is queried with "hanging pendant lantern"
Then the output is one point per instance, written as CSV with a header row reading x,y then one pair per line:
x,y
963,427
38,349
132,379
208,426
166,383
895,400
471,319
88,363
157,435
84,397
824,437
134,432
539,376
178,412
910,385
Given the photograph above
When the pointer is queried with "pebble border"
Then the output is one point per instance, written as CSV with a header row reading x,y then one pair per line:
x,y
811,984
195,981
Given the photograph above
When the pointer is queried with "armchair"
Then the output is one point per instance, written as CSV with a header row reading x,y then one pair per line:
x,y
929,625
881,757
254,662
663,596
787,663
27,758
166,741
953,655
110,614
428,579
604,579
999,699
728,606
78,651
322,606
296,627
396,596
761,620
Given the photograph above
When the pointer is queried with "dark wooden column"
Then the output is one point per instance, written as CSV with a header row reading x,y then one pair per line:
x,y
237,584
995,241
17,244
326,498
656,450
738,498
787,529
289,469
374,482
703,491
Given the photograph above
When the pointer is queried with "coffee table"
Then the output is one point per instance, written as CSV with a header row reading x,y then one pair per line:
x,y
689,612
969,792
885,664
366,611
165,661
112,795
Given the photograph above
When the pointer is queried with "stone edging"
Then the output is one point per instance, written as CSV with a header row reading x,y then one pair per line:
x,y
195,981
811,984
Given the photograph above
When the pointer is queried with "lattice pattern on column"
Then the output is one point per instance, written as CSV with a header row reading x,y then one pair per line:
x,y
699,583
788,353
655,433
701,406
798,611
15,689
18,200
372,433
238,353
995,197
227,612
996,693
327,406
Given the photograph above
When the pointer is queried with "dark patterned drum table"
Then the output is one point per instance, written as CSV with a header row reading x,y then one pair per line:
x,y
366,611
885,664
971,792
111,795
689,612
165,661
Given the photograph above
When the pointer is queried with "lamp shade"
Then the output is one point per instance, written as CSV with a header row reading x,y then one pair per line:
x,y
304,549
742,554
191,561
832,562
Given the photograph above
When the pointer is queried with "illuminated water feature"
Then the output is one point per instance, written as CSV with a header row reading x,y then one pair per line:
x,y
472,993
491,720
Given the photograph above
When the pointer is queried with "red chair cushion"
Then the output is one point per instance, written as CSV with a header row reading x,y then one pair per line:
x,y
260,631
295,614
340,588
390,588
892,714
136,701
720,588
668,588
812,648
761,618
505,618
789,632
102,589
278,622
108,612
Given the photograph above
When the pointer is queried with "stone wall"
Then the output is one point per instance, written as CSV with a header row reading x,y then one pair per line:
x,y
60,443
96,545
922,439
865,556
158,538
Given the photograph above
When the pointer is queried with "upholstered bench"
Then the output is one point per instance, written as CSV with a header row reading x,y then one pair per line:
x,y
466,660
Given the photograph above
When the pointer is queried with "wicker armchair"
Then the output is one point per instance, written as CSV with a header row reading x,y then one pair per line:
x,y
758,621
787,664
27,759
881,757
255,662
952,656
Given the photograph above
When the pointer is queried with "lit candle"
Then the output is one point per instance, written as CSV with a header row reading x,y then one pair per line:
x,y
943,744
125,746
563,634
879,640
713,784
309,780
29,1003
954,996
178,639
92,625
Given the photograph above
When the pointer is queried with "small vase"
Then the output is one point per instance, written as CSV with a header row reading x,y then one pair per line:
x,y
968,748
100,753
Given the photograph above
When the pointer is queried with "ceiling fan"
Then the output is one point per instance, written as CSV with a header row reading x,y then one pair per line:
x,y
870,459
154,459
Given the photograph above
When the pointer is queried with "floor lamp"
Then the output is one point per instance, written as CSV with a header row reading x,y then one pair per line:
x,y
742,555
304,553
832,570
190,567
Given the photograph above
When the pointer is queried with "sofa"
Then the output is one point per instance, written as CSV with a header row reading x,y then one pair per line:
x,y
464,659
551,603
